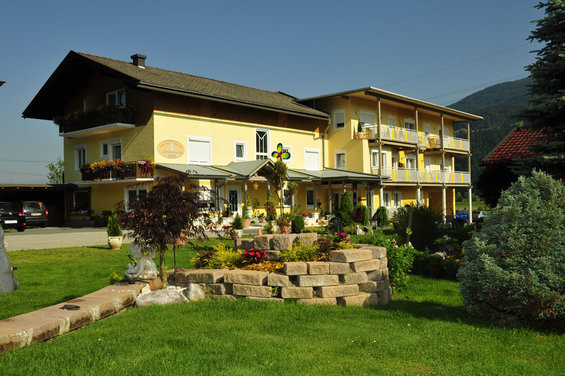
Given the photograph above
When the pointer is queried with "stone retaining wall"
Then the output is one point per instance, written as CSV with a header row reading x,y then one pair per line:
x,y
352,277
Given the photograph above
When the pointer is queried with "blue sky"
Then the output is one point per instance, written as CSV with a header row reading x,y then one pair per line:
x,y
434,50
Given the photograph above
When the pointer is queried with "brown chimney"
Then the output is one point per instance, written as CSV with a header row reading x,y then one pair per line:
x,y
138,60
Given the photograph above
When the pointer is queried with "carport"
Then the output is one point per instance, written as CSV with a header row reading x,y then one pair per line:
x,y
57,198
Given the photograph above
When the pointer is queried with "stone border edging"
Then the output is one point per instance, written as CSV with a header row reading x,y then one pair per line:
x,y
46,323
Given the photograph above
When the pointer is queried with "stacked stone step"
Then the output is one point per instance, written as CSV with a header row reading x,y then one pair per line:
x,y
352,277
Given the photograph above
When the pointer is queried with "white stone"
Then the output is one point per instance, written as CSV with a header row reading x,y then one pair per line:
x,y
169,295
193,292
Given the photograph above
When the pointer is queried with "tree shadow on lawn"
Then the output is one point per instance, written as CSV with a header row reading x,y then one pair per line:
x,y
457,314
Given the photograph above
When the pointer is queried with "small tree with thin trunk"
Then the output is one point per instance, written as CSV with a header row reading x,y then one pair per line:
x,y
280,174
171,207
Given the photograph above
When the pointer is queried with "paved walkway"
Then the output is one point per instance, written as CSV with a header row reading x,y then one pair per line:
x,y
23,330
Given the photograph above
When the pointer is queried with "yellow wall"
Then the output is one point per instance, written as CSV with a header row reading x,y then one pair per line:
x,y
224,133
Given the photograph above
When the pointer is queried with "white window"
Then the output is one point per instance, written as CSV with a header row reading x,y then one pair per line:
x,y
116,98
392,120
394,162
309,199
409,124
386,200
261,144
339,119
447,167
411,162
375,158
111,149
428,163
445,131
80,156
340,161
312,159
240,151
367,117
133,194
397,198
199,150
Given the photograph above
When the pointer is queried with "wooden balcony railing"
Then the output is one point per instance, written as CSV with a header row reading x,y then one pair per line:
x,y
130,170
81,120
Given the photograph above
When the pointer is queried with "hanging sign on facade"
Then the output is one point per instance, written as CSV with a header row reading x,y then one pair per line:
x,y
170,149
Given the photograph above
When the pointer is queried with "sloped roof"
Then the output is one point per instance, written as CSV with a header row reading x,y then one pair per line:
x,y
199,171
177,83
517,145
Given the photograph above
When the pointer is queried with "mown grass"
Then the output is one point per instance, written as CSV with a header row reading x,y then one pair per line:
x,y
423,331
52,276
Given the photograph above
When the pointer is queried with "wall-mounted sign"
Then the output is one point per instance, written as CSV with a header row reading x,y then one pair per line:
x,y
170,149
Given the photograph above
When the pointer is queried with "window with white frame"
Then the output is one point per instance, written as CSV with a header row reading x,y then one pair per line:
x,y
116,98
375,159
287,198
410,124
261,144
411,162
312,159
394,160
392,120
367,117
240,151
133,194
340,161
310,199
199,150
397,199
111,149
80,156
386,200
339,119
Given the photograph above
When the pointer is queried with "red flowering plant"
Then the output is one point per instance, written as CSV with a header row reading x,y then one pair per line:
x,y
337,241
254,256
146,164
117,165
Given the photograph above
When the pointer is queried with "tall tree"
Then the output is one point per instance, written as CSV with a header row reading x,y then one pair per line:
x,y
547,106
55,174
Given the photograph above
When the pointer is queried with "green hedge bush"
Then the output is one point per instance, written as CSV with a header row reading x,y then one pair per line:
x,y
346,208
514,268
297,225
426,226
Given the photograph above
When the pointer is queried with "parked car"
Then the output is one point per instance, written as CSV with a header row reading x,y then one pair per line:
x,y
479,215
36,213
462,215
12,216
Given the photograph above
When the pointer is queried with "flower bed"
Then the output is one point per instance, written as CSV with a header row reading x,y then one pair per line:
x,y
357,277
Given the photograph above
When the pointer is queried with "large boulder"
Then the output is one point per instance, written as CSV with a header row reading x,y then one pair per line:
x,y
8,280
161,297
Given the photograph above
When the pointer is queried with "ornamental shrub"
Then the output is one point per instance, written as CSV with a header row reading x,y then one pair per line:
x,y
224,257
513,270
297,225
361,215
300,251
425,226
400,260
237,223
113,226
381,217
346,208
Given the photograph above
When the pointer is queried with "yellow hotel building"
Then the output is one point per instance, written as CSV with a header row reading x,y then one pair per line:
x,y
383,148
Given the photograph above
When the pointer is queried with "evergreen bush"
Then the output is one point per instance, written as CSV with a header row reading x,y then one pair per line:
x,y
237,223
425,228
297,225
346,208
361,215
113,226
381,217
514,268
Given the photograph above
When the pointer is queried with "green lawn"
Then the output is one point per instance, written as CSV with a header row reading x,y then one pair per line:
x,y
425,330
53,276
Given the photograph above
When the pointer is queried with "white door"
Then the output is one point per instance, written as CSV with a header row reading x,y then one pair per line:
x,y
428,163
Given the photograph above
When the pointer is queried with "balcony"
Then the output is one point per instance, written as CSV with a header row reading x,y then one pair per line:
x,y
117,170
433,176
99,120
402,135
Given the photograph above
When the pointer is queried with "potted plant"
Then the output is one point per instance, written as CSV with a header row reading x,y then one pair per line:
x,y
245,219
360,132
115,234
283,221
